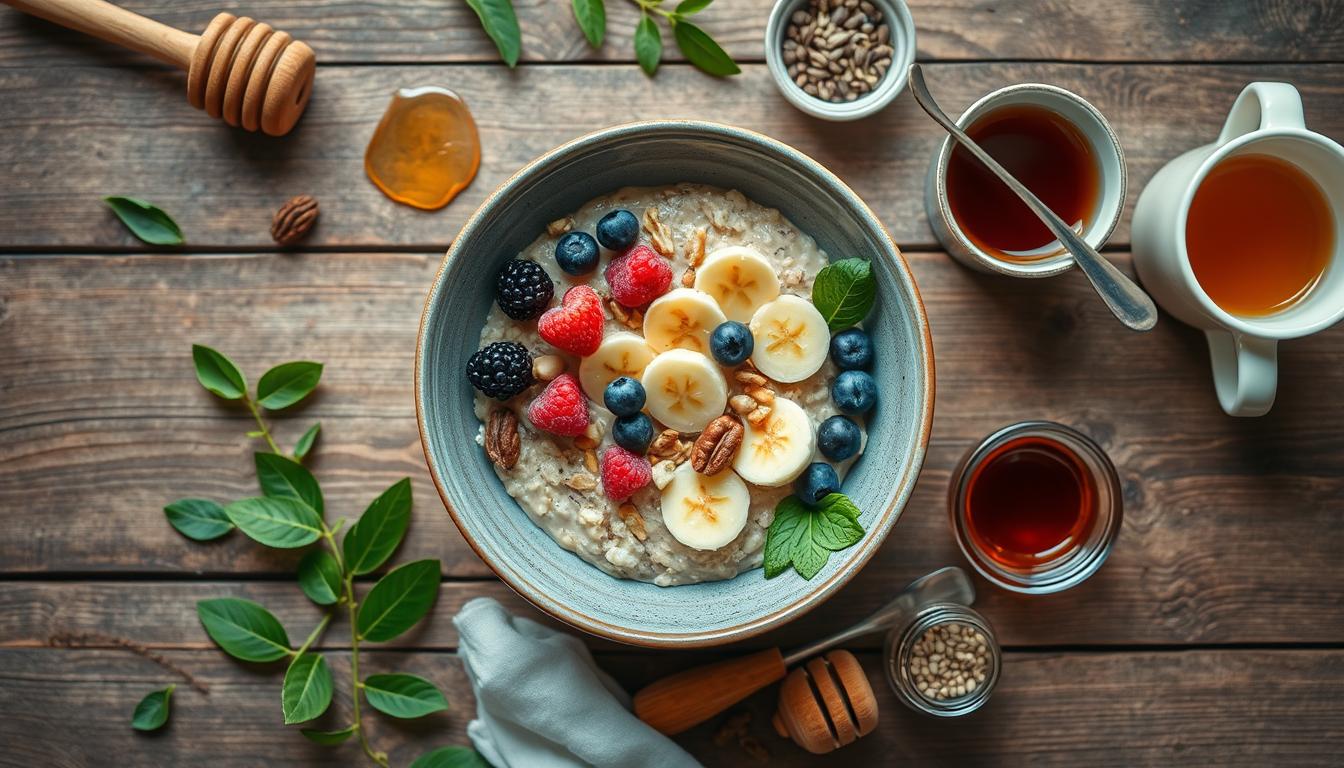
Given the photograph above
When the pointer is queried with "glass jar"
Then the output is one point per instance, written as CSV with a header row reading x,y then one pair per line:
x,y
899,657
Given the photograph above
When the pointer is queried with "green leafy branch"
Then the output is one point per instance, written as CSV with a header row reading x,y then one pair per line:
x,y
291,514
501,23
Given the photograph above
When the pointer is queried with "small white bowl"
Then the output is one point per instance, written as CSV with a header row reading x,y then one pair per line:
x,y
902,41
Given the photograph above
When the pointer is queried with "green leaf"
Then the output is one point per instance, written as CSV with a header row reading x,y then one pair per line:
x,y
592,18
287,384
152,711
648,44
398,600
404,696
501,24
375,537
451,757
688,7
305,443
327,738
145,220
320,577
790,522
806,537
844,292
217,373
280,523
281,477
832,526
808,558
841,503
701,50
306,692
243,629
199,519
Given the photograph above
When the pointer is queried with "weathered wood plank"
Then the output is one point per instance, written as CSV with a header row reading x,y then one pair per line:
x,y
101,423
430,31
73,135
1231,708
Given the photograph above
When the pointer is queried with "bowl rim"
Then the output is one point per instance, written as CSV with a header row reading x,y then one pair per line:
x,y
885,522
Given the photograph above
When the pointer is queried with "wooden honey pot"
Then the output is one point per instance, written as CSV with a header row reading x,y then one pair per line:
x,y
239,70
826,703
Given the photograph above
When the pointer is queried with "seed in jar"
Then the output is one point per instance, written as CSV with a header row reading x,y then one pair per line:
x,y
827,49
949,661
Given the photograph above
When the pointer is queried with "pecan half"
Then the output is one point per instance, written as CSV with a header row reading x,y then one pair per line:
x,y
294,219
717,445
501,438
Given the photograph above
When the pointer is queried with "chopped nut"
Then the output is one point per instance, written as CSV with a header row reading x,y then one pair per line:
x,y
762,395
630,318
695,253
633,520
660,237
501,438
585,443
560,226
665,444
751,378
582,482
717,445
594,431
590,460
547,367
757,417
688,277
742,404
662,473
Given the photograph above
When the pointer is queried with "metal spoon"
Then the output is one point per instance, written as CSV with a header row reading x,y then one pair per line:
x,y
1126,300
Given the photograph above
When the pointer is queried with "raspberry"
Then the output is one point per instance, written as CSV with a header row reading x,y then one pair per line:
x,y
576,325
523,289
638,276
500,370
623,473
561,408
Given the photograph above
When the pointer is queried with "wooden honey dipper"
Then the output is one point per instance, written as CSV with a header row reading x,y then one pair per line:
x,y
239,69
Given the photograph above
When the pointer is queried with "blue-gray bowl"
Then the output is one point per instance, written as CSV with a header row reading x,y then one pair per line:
x,y
650,154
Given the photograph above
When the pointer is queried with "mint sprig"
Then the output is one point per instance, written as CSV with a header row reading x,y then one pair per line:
x,y
844,293
805,537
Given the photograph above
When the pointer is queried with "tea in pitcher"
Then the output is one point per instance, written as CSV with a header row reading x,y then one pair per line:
x,y
1259,234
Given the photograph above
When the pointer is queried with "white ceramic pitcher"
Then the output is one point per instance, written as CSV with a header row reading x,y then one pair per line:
x,y
1266,119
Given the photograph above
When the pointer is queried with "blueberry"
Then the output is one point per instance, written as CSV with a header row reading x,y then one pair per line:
x,y
624,396
576,253
852,350
633,433
854,392
816,483
617,230
731,343
839,438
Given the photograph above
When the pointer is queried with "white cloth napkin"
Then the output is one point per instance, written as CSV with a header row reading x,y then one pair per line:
x,y
541,701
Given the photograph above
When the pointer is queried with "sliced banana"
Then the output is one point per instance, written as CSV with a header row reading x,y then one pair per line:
x,y
780,449
705,512
620,354
685,389
791,339
682,319
739,279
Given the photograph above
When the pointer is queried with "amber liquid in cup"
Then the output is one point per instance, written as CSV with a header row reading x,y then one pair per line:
x,y
1259,234
1045,152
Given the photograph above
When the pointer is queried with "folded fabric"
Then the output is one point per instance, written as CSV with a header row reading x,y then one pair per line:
x,y
541,701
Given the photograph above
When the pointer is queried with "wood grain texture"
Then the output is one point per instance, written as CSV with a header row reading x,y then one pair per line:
x,y
1231,526
73,135
1227,708
432,31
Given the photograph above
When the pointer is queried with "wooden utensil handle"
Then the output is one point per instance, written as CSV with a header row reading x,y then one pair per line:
x,y
688,698
116,25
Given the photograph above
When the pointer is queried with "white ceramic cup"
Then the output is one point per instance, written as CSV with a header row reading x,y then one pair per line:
x,y
1266,120
1052,258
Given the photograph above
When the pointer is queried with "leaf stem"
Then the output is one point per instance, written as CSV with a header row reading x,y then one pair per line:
x,y
312,636
261,425
349,587
653,6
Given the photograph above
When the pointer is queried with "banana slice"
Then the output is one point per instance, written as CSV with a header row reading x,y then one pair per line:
x,y
620,354
791,339
780,449
685,389
682,319
705,512
739,279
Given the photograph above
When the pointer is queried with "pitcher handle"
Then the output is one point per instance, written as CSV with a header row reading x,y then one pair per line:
x,y
1263,105
1245,372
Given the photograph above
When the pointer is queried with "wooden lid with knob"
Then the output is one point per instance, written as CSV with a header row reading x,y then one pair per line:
x,y
826,704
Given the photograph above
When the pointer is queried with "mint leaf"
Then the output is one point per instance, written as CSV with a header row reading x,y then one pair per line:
x,y
592,18
280,523
375,537
809,558
243,629
306,692
648,44
844,292
688,7
398,600
327,738
305,443
198,519
320,577
701,50
805,537
403,696
152,711
145,220
217,373
841,503
287,384
451,757
284,478
781,537
501,24
833,528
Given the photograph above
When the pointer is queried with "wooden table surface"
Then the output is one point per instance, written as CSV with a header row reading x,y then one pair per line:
x,y
1214,635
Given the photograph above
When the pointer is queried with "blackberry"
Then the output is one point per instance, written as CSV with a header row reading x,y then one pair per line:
x,y
523,289
500,370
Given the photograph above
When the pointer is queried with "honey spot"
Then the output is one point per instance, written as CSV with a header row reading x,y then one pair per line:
x,y
425,150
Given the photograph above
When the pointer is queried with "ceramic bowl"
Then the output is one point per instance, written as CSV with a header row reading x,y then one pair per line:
x,y
650,154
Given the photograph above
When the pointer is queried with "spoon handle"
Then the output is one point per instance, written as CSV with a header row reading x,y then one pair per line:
x,y
1127,301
